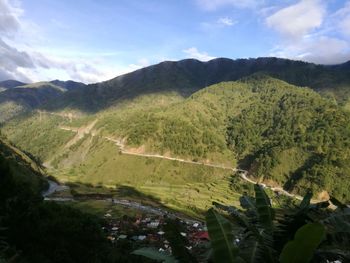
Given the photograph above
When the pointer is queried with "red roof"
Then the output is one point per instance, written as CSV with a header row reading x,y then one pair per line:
x,y
201,235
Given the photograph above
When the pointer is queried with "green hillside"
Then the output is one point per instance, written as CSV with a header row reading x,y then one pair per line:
x,y
293,137
283,134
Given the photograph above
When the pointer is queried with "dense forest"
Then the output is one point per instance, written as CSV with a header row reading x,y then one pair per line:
x,y
294,137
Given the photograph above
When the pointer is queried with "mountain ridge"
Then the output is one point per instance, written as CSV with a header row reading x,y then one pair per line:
x,y
188,76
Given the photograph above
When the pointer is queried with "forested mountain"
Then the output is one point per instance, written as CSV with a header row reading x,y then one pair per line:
x,y
182,77
188,76
7,84
287,135
283,134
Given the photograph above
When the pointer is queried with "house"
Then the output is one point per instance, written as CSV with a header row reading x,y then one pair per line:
x,y
122,236
153,224
141,237
201,235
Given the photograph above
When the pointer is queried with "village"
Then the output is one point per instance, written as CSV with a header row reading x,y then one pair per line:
x,y
147,229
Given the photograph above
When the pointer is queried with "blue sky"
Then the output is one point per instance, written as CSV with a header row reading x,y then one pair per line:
x,y
91,40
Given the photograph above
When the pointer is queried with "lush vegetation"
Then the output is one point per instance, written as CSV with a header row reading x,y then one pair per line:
x,y
38,135
293,137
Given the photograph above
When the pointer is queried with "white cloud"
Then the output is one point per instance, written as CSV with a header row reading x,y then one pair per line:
x,y
342,16
319,50
194,53
211,5
299,19
9,18
141,63
226,21
20,60
308,34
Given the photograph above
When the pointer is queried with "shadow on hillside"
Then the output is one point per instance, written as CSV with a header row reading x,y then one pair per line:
x,y
125,191
89,191
246,162
86,191
298,174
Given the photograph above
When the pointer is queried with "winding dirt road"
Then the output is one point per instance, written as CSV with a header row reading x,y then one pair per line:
x,y
119,143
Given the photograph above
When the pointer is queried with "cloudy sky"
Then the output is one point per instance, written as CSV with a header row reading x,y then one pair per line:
x,y
92,40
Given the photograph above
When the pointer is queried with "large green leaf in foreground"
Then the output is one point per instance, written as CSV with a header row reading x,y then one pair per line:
x,y
221,238
302,248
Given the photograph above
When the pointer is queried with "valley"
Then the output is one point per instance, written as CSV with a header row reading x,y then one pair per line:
x,y
130,150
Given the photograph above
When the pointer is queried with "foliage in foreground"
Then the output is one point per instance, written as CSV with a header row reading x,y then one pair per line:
x,y
259,233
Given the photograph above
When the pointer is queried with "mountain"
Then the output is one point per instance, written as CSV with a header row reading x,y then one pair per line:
x,y
188,76
284,135
177,77
24,98
68,85
8,84
256,114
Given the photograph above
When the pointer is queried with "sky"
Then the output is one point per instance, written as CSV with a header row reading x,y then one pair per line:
x,y
95,40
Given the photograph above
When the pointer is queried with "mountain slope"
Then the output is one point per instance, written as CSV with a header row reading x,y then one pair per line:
x,y
180,77
294,138
8,84
24,98
286,135
188,76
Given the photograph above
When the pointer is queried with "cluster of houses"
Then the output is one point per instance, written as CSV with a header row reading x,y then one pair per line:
x,y
147,230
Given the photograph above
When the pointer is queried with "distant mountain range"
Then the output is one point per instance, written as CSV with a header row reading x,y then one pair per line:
x,y
17,98
183,77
